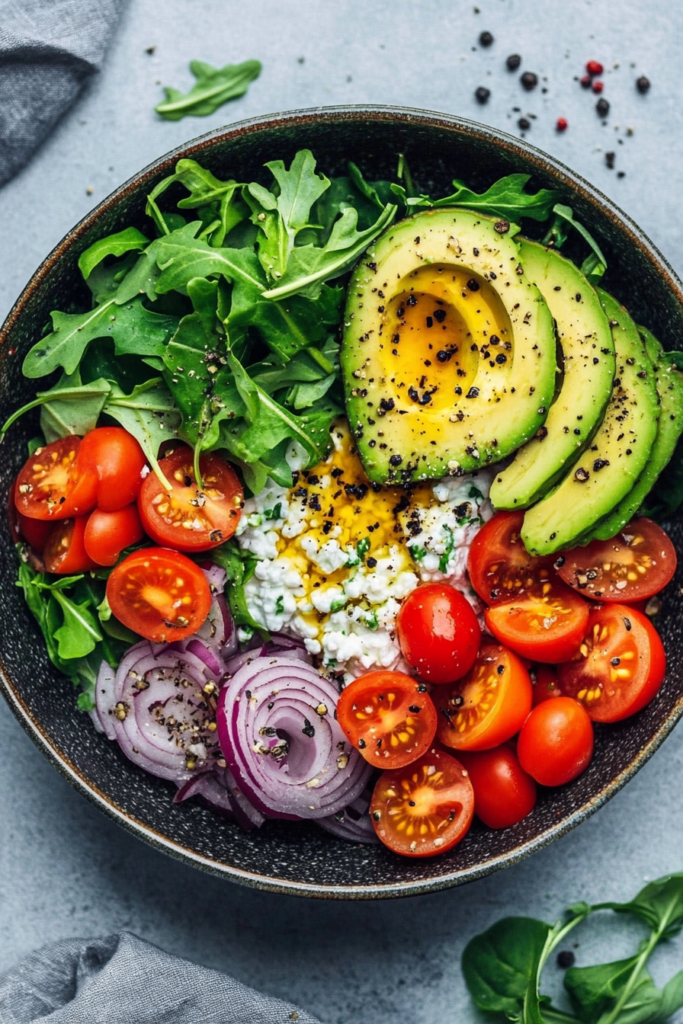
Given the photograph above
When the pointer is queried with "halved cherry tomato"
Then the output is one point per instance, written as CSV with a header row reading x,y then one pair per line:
x,y
636,564
118,461
438,632
55,484
619,666
388,716
489,705
424,808
187,518
65,548
108,533
33,532
544,680
503,792
546,623
499,565
556,741
159,594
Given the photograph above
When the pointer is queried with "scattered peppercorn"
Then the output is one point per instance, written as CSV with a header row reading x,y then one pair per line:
x,y
513,61
482,94
585,82
598,86
565,959
594,67
609,160
529,80
524,123
602,107
562,124
642,84
502,227
485,39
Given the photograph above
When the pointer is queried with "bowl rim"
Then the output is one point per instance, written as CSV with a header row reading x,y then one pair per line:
x,y
194,147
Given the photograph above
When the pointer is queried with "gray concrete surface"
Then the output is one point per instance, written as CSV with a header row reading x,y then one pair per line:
x,y
67,870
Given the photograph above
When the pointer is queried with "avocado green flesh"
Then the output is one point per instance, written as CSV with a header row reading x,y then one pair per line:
x,y
618,454
588,364
669,428
448,356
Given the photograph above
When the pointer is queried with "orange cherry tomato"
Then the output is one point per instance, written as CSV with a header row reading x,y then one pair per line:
x,y
438,632
159,594
489,705
556,741
388,716
118,462
64,551
545,623
634,565
619,667
499,565
54,482
424,808
187,518
108,533
503,792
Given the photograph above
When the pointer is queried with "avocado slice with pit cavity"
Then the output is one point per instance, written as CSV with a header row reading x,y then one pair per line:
x,y
448,356
587,363
610,466
669,384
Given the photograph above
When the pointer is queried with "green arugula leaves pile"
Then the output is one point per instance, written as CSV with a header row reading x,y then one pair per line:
x,y
502,966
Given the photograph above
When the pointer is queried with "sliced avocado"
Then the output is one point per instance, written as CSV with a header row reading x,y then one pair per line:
x,y
610,466
588,370
448,356
669,428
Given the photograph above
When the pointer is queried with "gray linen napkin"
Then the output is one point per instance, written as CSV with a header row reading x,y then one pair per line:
x,y
48,48
122,979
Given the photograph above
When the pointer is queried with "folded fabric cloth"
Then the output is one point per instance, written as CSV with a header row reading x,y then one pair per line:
x,y
122,979
48,48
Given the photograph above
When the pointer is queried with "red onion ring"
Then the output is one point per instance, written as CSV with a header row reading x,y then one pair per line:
x,y
352,822
278,733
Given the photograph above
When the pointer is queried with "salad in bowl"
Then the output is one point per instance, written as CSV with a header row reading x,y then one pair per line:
x,y
340,505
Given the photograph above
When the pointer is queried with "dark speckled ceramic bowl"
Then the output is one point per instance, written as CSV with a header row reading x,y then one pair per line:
x,y
285,857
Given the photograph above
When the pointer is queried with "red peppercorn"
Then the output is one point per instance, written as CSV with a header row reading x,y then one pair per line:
x,y
562,124
586,82
594,67
598,86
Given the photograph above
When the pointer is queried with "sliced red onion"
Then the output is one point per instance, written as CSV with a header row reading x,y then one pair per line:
x,y
287,646
215,576
352,822
159,713
205,654
246,815
210,789
286,750
218,629
104,700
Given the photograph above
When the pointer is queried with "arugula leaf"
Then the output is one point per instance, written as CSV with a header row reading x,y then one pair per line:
x,y
595,265
227,209
231,558
142,277
505,198
113,245
310,265
659,905
182,256
592,990
135,330
213,88
149,414
70,407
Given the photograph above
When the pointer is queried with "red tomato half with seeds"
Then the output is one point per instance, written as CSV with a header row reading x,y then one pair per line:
x,y
64,551
499,565
545,683
33,532
556,742
108,533
389,717
190,518
159,594
438,632
425,808
546,623
55,483
118,462
634,565
503,792
619,667
488,706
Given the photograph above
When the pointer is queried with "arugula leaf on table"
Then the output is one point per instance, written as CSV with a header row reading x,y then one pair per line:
x,y
659,904
213,88
117,244
506,198
135,330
